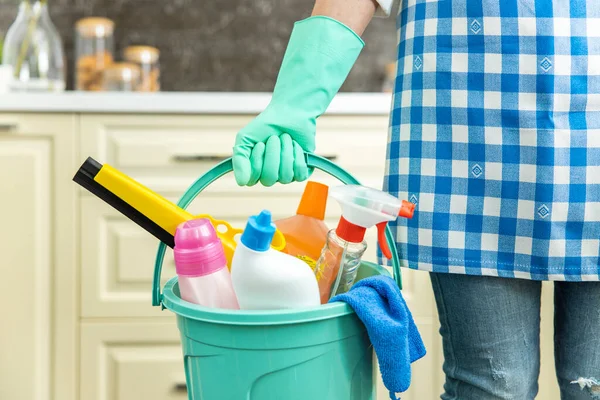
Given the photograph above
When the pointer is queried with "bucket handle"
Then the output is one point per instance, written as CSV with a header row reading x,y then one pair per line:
x,y
224,168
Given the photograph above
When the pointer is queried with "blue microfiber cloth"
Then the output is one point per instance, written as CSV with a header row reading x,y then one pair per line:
x,y
379,304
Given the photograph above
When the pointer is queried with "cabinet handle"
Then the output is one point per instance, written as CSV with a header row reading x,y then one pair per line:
x,y
330,157
180,387
8,127
185,158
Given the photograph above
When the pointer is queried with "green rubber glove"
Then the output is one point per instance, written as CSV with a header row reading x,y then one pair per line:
x,y
320,54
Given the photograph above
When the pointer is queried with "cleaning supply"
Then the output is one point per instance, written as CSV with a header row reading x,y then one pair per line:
x,y
305,233
266,279
380,306
148,209
201,266
319,55
314,353
362,208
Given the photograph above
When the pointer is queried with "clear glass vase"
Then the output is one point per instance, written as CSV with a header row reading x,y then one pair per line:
x,y
34,51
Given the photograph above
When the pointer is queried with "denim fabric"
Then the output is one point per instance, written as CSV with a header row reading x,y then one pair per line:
x,y
490,330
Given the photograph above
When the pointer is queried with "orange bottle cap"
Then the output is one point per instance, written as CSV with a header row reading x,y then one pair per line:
x,y
314,200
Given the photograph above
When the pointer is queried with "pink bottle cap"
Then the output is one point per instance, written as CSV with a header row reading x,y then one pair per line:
x,y
198,250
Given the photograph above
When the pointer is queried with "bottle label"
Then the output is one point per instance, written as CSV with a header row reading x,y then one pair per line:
x,y
311,263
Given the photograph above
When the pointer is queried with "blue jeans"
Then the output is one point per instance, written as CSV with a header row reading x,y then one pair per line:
x,y
490,330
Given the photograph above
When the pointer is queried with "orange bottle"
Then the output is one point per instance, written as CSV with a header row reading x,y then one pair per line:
x,y
305,233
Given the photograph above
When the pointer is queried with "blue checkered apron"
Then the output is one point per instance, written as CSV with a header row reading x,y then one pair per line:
x,y
495,136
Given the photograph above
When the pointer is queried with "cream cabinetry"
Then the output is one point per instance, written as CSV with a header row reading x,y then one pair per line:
x,y
133,360
85,327
38,257
167,153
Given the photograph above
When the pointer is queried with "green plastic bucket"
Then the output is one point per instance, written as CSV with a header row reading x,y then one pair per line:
x,y
319,353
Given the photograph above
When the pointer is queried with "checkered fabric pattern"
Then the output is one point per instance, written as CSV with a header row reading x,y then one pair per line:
x,y
495,136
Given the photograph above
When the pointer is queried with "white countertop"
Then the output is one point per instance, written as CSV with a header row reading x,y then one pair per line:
x,y
178,102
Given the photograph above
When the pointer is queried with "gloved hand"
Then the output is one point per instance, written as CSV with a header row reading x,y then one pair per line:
x,y
320,53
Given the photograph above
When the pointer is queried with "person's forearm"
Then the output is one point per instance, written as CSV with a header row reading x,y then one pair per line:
x,y
355,14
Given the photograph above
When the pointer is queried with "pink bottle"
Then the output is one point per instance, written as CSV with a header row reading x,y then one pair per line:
x,y
201,266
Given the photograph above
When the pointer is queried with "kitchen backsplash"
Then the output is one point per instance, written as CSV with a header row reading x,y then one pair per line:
x,y
224,45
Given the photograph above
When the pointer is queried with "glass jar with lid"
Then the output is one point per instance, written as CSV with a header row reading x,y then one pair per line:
x,y
121,77
94,51
147,59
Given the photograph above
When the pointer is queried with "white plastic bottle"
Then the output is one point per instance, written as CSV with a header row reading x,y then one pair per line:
x,y
201,266
266,279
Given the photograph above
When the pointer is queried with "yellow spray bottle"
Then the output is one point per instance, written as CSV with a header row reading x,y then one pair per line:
x,y
150,210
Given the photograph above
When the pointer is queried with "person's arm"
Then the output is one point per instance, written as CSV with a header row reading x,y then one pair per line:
x,y
320,54
355,14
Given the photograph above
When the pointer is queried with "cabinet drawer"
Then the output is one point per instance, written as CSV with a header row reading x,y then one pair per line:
x,y
11,122
36,123
168,152
117,256
166,141
124,361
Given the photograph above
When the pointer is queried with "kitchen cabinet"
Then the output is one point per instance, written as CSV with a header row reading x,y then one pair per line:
x,y
167,153
37,360
131,360
77,291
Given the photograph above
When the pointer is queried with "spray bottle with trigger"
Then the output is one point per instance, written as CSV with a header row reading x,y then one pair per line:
x,y
362,208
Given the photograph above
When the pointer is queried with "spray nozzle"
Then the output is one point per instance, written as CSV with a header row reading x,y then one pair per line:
x,y
364,207
407,209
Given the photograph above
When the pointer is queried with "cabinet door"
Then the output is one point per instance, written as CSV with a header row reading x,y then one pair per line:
x,y
117,256
35,216
25,216
167,153
126,361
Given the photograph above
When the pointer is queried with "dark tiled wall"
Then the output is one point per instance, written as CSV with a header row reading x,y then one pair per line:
x,y
214,45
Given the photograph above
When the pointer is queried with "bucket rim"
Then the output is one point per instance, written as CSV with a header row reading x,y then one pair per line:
x,y
182,308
